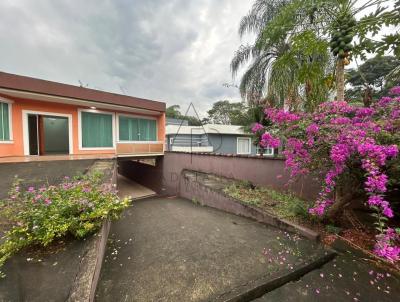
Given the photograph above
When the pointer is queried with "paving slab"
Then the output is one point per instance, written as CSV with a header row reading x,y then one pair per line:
x,y
174,250
346,278
41,275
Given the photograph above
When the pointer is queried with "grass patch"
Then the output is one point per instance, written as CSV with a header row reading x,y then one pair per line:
x,y
282,204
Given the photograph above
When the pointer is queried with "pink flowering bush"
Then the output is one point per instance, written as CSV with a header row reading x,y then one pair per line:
x,y
40,215
348,147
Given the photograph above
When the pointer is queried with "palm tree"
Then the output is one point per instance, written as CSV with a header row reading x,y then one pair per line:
x,y
278,72
254,80
394,76
335,20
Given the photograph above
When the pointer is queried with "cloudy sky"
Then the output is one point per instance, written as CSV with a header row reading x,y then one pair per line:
x,y
176,51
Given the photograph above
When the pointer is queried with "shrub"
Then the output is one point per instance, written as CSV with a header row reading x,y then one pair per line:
x,y
289,206
39,215
349,148
283,204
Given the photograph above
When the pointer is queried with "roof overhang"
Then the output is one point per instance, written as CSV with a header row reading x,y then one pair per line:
x,y
33,88
73,101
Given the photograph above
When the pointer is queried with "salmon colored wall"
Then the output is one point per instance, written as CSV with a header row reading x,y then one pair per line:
x,y
161,127
17,147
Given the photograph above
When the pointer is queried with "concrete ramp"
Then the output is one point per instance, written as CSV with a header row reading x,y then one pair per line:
x,y
130,188
174,250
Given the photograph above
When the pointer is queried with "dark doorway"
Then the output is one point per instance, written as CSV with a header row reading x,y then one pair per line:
x,y
33,128
48,135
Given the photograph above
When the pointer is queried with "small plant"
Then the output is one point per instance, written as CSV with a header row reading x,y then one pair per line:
x,y
195,200
246,184
37,216
245,192
283,204
288,205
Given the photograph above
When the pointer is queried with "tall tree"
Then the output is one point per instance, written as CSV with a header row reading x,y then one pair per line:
x,y
369,81
288,69
338,21
227,113
174,112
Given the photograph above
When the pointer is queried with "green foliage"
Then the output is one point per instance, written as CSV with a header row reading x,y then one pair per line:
x,y
283,204
369,81
289,206
371,25
227,113
242,191
174,112
286,66
279,72
301,66
38,216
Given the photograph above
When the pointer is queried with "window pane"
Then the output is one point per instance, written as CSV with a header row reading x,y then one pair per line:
x,y
144,129
4,122
133,129
137,129
123,128
128,129
243,146
153,130
96,130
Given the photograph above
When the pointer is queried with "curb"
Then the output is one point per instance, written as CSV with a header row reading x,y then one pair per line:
x,y
215,199
85,284
257,288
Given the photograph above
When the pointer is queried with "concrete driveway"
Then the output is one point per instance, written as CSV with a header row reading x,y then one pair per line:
x,y
129,188
174,250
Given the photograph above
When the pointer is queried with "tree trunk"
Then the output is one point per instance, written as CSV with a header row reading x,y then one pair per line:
x,y
367,99
340,80
343,196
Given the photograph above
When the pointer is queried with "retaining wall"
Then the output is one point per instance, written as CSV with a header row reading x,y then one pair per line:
x,y
164,178
41,172
198,191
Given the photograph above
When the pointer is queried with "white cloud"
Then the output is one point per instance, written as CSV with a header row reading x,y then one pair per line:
x,y
177,51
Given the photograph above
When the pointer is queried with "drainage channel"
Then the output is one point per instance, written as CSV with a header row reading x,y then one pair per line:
x,y
258,288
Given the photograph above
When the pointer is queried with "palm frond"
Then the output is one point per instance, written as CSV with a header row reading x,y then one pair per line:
x,y
262,12
394,75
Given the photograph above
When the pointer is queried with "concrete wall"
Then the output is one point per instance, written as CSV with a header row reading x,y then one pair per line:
x,y
37,173
164,178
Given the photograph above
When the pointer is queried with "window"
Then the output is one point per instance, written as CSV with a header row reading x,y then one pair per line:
x,y
97,130
137,129
5,121
267,151
243,145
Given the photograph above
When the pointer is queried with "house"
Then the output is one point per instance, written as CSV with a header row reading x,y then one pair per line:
x,y
41,118
224,139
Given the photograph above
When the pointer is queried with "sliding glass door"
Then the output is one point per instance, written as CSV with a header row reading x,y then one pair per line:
x,y
97,130
137,129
